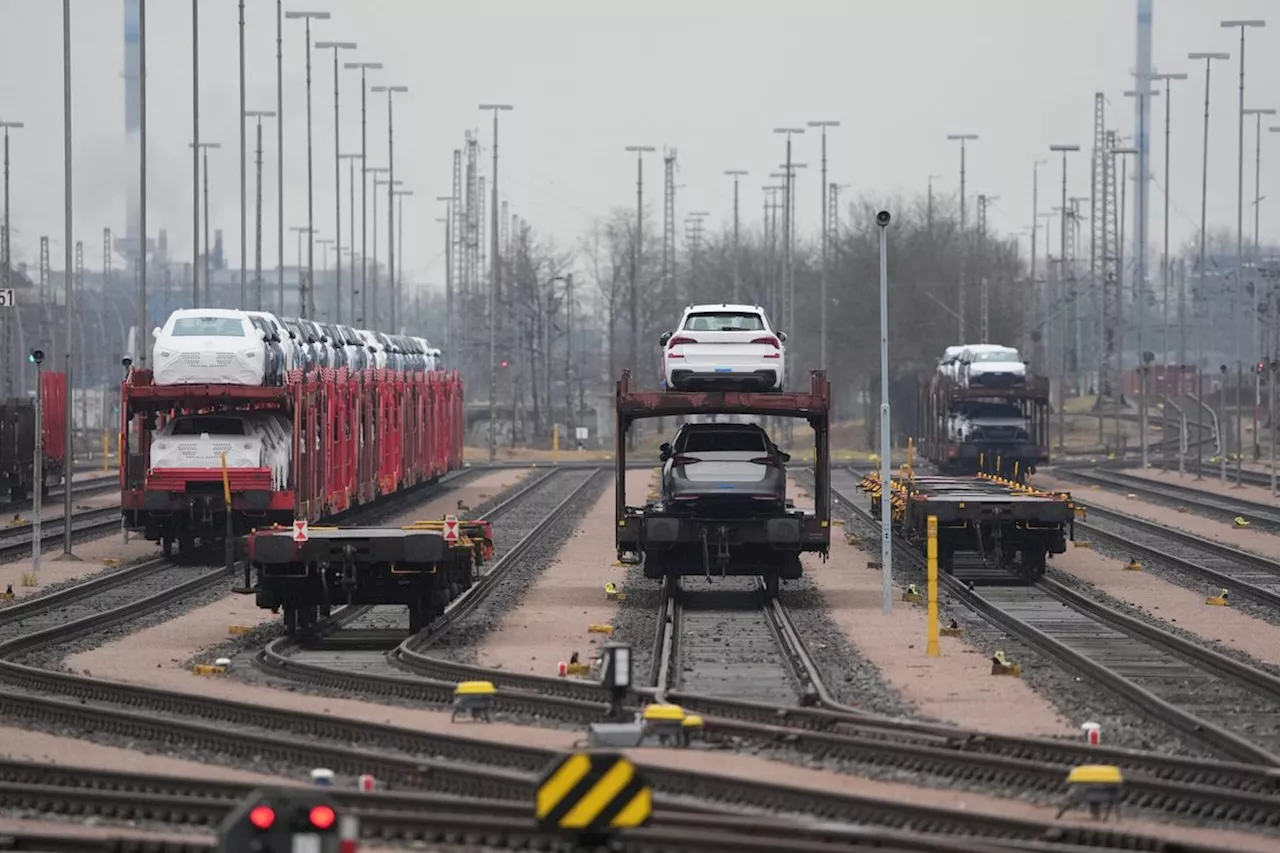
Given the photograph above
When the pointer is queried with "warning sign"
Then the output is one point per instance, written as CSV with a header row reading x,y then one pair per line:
x,y
451,528
300,531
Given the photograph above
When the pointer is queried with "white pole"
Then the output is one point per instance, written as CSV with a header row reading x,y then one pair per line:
x,y
37,473
886,492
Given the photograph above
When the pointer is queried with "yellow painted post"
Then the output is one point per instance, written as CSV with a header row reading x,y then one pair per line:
x,y
555,442
106,450
982,461
226,482
997,464
932,650
1015,471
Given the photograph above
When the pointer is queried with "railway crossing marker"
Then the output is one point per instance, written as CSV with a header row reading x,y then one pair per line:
x,y
300,533
591,795
451,528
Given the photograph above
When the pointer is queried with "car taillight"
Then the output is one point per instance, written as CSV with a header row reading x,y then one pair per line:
x,y
684,460
768,340
680,340
765,460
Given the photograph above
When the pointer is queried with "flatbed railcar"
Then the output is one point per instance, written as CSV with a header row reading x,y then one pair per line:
x,y
674,543
18,438
357,436
995,451
416,566
1000,521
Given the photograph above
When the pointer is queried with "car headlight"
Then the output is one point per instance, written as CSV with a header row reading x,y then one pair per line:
x,y
163,353
250,354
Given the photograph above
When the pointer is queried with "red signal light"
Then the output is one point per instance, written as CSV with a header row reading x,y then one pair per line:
x,y
262,817
322,817
504,364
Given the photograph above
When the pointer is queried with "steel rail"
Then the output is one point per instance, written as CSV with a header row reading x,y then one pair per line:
x,y
1199,729
1197,500
88,524
1189,565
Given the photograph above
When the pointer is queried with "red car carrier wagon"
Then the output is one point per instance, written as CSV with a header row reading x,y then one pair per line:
x,y
324,442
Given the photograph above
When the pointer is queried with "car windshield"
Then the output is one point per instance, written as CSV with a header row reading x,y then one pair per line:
x,y
207,327
725,321
996,355
209,424
723,440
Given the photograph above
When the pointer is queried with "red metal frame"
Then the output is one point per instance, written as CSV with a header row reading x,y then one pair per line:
x,y
357,435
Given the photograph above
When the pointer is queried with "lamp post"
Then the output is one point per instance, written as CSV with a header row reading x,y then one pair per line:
x,y
69,306
243,216
1119,335
1140,291
324,243
364,68
302,288
1242,25
391,174
208,288
351,237
1062,381
309,300
279,159
371,316
10,311
637,249
390,184
399,291
962,138
1204,200
448,271
1253,299
826,243
195,155
737,256
336,46
1166,267
886,484
788,232
258,116
1039,312
494,285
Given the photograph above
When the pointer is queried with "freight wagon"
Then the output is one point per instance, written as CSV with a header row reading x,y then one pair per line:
x,y
351,437
18,438
966,430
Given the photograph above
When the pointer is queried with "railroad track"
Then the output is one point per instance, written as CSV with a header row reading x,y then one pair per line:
x,y
828,730
1242,572
15,542
463,766
79,489
1228,706
729,641
1196,500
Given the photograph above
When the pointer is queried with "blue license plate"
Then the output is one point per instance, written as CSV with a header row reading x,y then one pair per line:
x,y
724,485
724,370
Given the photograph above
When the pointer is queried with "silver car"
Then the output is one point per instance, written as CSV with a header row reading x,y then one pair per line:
x,y
722,467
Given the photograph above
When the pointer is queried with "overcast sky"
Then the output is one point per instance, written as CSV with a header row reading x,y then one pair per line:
x,y
711,78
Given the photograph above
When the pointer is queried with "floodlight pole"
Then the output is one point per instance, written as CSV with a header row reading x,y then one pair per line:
x,y
886,485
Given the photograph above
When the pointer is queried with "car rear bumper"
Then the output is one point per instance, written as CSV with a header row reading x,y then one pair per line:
x,y
735,377
997,380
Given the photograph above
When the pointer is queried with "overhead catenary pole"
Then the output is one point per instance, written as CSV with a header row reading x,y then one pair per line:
x,y
962,287
826,244
1256,290
495,283
364,68
308,308
140,357
391,91
448,271
1166,267
636,253
352,287
195,153
1239,291
1062,381
1039,313
11,312
243,218
788,232
258,116
1140,272
68,303
1208,58
737,245
203,149
400,194
336,46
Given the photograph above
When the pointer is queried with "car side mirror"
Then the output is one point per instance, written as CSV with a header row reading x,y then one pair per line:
x,y
262,336
782,336
784,456
155,333
662,341
664,451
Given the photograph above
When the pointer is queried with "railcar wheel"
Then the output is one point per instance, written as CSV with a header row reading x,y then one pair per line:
x,y
290,618
166,545
772,582
186,543
417,614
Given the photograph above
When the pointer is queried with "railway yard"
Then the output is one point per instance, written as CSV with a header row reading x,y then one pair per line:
x,y
820,722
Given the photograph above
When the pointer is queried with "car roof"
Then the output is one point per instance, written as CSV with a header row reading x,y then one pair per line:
x,y
228,313
721,427
724,306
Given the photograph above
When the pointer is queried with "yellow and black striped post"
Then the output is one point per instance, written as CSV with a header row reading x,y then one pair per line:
x,y
592,794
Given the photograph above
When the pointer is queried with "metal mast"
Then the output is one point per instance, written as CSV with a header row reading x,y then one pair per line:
x,y
1111,294
456,215
983,294
481,250
472,240
1098,243
670,290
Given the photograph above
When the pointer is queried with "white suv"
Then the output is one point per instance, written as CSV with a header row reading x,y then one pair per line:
x,y
724,347
992,366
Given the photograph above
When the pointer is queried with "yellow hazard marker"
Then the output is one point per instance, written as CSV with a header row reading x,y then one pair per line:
x,y
612,592
1000,665
17,521
1239,522
239,629
952,630
1222,599
666,722
1183,509
474,698
1133,566
110,562
209,669
1096,786
911,593
597,628
592,794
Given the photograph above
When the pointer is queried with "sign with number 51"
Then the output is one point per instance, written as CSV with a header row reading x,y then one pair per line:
x,y
6,297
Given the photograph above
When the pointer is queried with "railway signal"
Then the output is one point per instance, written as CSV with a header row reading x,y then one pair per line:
x,y
287,821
